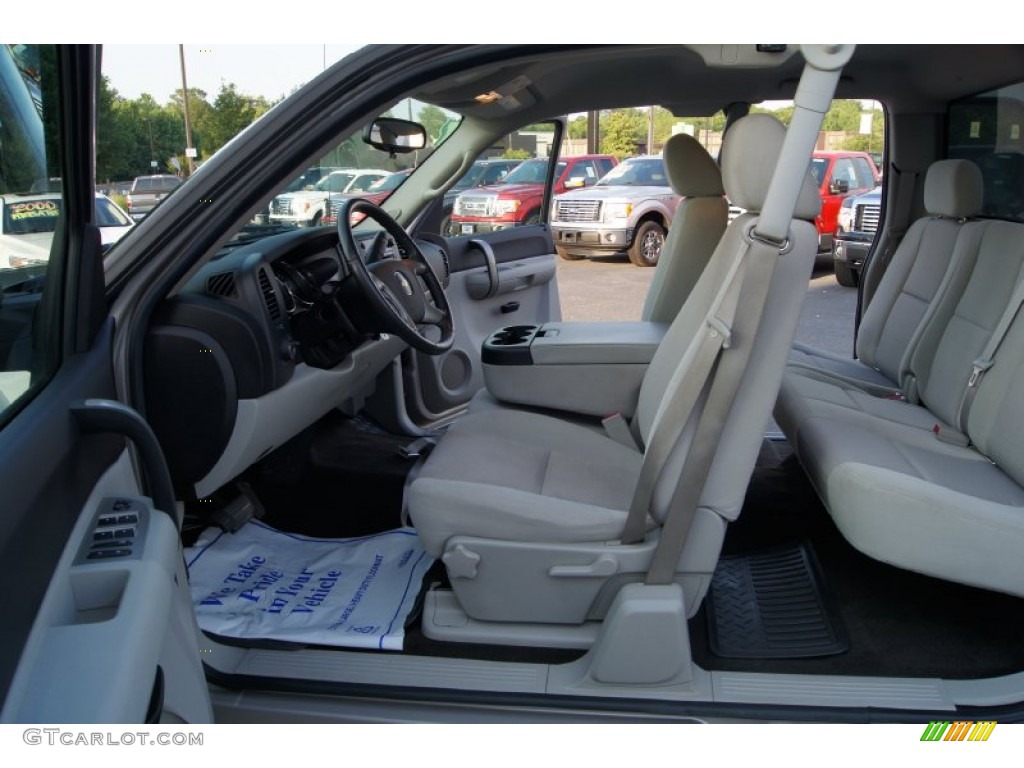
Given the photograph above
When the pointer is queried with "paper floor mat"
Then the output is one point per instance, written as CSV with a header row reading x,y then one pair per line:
x,y
260,583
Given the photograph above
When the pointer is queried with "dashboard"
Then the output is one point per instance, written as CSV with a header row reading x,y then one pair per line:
x,y
267,338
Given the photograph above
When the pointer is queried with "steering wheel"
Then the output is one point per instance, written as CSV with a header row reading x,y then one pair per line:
x,y
404,294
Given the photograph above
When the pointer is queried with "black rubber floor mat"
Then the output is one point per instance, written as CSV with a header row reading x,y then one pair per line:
x,y
770,605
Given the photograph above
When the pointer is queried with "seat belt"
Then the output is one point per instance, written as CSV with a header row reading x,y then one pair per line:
x,y
762,257
768,239
686,388
988,354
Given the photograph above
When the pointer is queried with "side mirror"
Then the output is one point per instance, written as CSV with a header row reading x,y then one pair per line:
x,y
575,183
839,187
395,136
308,188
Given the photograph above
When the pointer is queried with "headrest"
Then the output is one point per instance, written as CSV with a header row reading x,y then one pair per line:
x,y
750,151
953,188
691,171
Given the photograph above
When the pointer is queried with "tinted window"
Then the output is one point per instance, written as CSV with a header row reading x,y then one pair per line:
x,y
987,129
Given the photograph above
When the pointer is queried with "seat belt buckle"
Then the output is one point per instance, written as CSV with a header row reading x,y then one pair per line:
x,y
951,436
981,366
617,428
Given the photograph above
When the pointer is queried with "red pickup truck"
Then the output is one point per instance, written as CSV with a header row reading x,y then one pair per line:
x,y
838,175
517,200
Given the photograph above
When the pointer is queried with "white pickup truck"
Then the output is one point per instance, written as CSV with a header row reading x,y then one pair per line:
x,y
629,210
307,208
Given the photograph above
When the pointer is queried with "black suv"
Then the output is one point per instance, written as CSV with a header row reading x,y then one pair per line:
x,y
857,224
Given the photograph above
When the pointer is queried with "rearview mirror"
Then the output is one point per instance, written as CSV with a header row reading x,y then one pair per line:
x,y
392,135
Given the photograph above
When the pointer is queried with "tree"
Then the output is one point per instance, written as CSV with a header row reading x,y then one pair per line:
x,y
230,114
578,127
622,131
432,118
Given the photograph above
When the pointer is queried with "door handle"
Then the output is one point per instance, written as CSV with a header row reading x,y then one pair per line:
x,y
492,265
99,415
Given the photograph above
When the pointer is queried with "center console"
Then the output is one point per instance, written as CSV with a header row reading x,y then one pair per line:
x,y
588,368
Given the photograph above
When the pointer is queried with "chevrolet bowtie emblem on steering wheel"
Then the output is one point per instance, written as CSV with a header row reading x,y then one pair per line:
x,y
403,283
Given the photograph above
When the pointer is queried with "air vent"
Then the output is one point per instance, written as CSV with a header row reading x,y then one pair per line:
x,y
222,285
269,297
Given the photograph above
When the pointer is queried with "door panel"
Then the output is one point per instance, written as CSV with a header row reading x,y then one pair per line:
x,y
68,672
500,278
94,626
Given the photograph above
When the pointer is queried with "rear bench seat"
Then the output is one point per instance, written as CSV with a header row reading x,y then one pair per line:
x,y
917,274
932,486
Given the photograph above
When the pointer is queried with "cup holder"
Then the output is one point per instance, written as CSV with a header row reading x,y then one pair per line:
x,y
513,335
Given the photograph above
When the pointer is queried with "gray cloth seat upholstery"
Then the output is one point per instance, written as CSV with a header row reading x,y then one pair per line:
x,y
697,226
510,495
915,277
951,504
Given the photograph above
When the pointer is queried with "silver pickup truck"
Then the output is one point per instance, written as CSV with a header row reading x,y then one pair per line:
x,y
629,210
147,191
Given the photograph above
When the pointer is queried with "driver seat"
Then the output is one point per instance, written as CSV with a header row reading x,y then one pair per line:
x,y
526,510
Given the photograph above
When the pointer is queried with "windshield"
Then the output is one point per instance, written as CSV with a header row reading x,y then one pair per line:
x,y
28,217
389,183
336,182
109,215
531,172
636,172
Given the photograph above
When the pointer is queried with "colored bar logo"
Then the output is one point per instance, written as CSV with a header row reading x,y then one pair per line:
x,y
943,730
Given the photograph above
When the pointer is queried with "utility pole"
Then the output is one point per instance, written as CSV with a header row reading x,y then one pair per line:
x,y
190,152
650,130
593,133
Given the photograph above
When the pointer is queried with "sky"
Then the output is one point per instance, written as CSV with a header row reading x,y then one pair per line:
x,y
257,70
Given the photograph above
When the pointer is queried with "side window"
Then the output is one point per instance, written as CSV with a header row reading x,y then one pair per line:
x,y
31,219
987,129
505,187
603,166
843,175
581,174
865,177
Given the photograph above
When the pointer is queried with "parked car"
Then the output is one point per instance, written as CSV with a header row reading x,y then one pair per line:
x,y
28,223
307,207
839,174
147,191
518,198
376,193
483,173
857,224
628,210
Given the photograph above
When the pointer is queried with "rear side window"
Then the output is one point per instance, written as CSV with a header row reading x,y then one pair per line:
x,y
987,130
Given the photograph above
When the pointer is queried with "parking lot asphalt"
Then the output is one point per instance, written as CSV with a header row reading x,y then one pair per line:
x,y
610,289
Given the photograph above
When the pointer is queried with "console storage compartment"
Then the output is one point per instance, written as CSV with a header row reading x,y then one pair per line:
x,y
586,368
